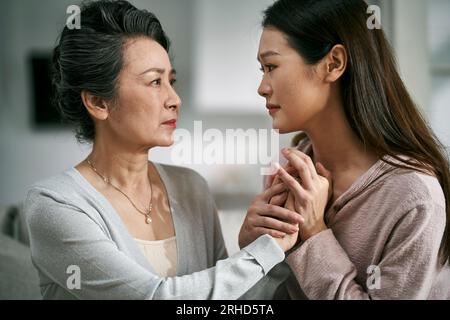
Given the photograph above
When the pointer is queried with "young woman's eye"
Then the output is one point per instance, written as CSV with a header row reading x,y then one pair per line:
x,y
267,67
172,82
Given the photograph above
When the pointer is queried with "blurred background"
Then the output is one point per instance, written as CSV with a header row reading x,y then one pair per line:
x,y
214,51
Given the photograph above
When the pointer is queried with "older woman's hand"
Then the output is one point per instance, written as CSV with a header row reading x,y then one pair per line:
x,y
264,218
309,196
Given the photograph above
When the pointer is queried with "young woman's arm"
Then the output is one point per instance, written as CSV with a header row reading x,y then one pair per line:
x,y
407,269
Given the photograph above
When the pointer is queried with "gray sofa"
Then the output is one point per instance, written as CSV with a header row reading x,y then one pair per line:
x,y
18,277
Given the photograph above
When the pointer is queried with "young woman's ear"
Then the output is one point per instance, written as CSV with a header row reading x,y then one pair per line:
x,y
335,63
96,106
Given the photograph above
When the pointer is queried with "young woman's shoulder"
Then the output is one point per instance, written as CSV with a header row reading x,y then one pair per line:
x,y
411,188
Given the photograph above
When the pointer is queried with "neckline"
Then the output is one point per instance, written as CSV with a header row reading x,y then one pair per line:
x,y
366,178
155,242
173,206
363,179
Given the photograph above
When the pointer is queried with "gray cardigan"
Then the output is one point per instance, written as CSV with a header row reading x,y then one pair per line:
x,y
72,224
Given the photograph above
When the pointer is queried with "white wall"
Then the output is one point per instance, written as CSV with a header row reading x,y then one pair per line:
x,y
439,44
226,45
410,32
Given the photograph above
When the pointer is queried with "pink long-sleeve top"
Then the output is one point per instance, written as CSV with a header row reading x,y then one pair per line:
x,y
382,243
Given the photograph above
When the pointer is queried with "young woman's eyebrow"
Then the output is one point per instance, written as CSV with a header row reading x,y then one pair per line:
x,y
266,54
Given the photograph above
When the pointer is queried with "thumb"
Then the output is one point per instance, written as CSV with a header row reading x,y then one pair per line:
x,y
327,174
324,172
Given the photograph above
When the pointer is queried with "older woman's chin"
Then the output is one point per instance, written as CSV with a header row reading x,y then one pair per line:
x,y
165,142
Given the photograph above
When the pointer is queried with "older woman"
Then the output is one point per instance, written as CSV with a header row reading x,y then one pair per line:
x,y
126,227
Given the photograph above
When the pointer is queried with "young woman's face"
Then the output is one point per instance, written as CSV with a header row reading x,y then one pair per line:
x,y
294,93
147,106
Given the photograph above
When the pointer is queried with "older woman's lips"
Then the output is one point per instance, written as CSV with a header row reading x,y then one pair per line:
x,y
171,123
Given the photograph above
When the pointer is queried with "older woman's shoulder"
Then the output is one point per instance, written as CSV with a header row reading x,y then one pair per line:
x,y
64,184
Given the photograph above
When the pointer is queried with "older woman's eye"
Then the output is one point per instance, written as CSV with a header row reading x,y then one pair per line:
x,y
156,82
172,82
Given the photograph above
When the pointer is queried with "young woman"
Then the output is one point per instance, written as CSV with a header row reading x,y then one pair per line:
x,y
384,231
117,226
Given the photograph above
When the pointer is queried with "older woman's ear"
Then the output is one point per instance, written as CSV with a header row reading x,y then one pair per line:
x,y
97,107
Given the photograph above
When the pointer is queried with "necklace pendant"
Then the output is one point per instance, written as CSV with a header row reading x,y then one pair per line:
x,y
148,219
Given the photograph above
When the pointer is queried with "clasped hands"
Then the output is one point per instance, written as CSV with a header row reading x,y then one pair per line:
x,y
292,206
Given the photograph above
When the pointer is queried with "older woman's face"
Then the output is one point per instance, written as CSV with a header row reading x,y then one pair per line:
x,y
147,106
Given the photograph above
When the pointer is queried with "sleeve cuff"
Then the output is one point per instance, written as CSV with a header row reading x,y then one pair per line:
x,y
266,252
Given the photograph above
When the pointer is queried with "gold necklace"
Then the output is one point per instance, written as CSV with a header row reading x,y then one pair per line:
x,y
147,213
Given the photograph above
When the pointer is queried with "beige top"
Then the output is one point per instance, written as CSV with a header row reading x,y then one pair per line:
x,y
382,243
161,254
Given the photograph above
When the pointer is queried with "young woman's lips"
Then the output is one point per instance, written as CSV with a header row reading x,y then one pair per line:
x,y
171,123
273,108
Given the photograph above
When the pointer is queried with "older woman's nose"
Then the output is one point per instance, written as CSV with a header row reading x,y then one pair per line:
x,y
174,101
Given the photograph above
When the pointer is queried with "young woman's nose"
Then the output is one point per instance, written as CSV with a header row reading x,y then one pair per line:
x,y
264,89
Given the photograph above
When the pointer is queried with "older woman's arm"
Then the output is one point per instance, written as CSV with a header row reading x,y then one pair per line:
x,y
62,235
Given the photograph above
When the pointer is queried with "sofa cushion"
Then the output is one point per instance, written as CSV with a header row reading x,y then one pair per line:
x,y
18,277
7,215
12,223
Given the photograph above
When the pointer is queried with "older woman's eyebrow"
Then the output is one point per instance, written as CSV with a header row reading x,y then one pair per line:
x,y
159,70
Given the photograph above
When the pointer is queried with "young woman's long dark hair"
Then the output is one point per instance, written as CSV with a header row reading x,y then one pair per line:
x,y
376,102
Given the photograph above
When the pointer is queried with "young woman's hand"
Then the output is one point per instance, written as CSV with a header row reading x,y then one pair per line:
x,y
309,196
264,218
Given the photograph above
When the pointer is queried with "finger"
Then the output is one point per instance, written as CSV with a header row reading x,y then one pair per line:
x,y
290,169
309,162
274,233
324,172
279,213
327,174
303,170
290,202
276,180
290,182
275,224
269,181
272,191
279,199
297,158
